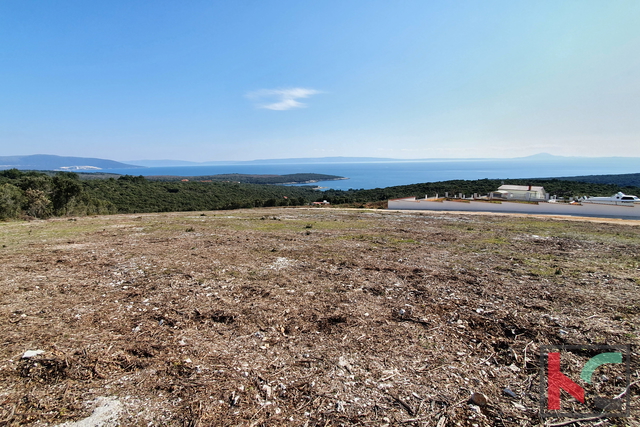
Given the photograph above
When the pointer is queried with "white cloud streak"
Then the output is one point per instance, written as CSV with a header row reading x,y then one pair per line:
x,y
281,99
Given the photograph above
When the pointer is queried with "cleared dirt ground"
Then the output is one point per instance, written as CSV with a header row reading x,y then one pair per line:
x,y
317,317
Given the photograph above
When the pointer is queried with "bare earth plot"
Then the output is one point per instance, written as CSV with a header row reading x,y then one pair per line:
x,y
316,317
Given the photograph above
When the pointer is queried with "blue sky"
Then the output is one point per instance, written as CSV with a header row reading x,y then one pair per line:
x,y
243,80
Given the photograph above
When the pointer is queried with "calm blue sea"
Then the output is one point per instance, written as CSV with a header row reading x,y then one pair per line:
x,y
386,174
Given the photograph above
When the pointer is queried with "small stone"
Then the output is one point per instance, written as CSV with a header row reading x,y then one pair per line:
x,y
510,393
267,391
32,353
478,399
344,363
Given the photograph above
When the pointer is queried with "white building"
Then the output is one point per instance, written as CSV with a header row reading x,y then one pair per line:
x,y
520,192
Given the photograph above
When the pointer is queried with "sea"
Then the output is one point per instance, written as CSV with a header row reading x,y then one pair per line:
x,y
386,174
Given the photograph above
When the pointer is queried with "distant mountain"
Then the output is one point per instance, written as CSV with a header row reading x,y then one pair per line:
x,y
541,157
306,160
50,162
550,157
303,160
163,163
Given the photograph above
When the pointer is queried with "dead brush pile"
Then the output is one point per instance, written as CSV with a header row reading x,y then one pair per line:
x,y
316,317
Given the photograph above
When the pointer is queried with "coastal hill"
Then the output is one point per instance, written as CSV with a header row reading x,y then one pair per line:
x,y
292,178
51,162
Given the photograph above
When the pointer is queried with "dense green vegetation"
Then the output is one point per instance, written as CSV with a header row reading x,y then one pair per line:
x,y
136,194
43,195
627,179
40,195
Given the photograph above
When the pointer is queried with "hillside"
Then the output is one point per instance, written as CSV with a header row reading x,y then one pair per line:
x,y
302,316
623,180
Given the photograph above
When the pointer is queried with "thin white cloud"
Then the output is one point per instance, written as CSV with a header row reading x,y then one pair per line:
x,y
281,99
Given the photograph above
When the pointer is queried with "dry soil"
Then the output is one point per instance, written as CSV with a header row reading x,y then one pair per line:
x,y
309,317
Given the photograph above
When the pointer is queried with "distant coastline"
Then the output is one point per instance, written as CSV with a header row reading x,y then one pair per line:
x,y
271,179
313,181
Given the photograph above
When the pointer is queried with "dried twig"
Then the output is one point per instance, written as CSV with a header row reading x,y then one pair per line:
x,y
413,420
626,389
524,361
404,404
577,420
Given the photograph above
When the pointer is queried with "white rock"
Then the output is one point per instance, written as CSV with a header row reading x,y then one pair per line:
x,y
32,353
105,414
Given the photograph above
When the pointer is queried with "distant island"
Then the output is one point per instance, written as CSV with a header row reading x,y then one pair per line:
x,y
267,179
293,178
51,162
301,160
540,157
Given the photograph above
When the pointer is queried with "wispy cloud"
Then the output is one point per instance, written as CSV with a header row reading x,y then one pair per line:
x,y
281,99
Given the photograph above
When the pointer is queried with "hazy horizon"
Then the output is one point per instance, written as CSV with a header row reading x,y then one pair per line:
x,y
338,159
240,81
536,155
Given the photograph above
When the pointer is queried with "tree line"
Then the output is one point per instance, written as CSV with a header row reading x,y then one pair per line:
x,y
40,195
47,194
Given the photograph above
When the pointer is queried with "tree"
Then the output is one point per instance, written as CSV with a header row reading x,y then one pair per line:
x,y
11,200
65,190
11,173
38,205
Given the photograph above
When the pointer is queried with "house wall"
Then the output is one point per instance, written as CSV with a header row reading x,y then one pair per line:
x,y
526,195
605,211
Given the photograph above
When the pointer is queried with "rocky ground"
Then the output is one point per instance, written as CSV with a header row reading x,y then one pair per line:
x,y
310,317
